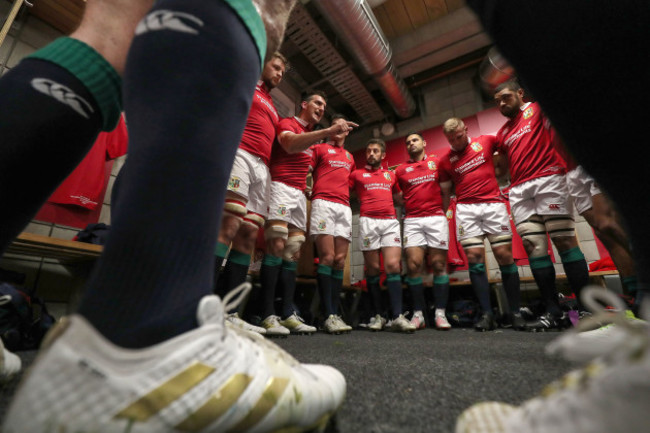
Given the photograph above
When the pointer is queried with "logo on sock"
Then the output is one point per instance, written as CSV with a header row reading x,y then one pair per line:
x,y
169,20
63,94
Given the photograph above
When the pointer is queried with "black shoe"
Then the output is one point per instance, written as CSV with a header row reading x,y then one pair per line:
x,y
486,323
547,322
518,323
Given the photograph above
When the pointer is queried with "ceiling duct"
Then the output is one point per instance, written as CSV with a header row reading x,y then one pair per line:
x,y
494,70
358,29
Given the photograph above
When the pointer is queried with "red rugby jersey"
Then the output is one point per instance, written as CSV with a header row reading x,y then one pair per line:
x,y
290,168
472,171
420,185
331,167
261,125
526,141
375,189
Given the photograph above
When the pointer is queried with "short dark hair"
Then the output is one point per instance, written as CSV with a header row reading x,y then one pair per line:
x,y
307,96
510,85
378,141
338,116
413,133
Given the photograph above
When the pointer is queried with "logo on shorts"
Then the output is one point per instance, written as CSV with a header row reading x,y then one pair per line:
x,y
406,240
432,165
366,242
387,175
322,225
505,228
554,206
443,243
234,182
281,210
476,146
528,113
396,239
461,230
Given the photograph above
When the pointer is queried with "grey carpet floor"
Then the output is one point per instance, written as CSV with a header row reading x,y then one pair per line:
x,y
420,382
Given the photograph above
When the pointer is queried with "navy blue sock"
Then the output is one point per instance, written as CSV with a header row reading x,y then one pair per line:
x,y
374,292
481,285
324,281
52,107
544,274
159,260
269,275
235,271
510,278
417,293
441,291
337,285
576,270
394,284
288,287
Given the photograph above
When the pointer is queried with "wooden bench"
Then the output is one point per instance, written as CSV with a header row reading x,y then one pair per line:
x,y
63,250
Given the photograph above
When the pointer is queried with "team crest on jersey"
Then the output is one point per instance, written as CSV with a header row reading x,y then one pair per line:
x,y
387,176
233,183
322,225
347,154
450,214
366,242
476,146
281,210
528,113
431,165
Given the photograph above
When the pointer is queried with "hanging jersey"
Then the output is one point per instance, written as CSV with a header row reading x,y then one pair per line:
x,y
375,189
526,141
420,185
472,171
261,124
290,168
331,167
84,186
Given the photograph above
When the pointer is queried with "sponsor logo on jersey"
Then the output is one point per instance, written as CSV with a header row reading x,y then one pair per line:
x,y
431,165
387,176
234,183
281,210
409,169
528,113
64,95
367,175
450,214
322,225
476,146
169,20
331,151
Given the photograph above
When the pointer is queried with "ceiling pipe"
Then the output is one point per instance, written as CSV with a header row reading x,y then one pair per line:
x,y
494,70
356,25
